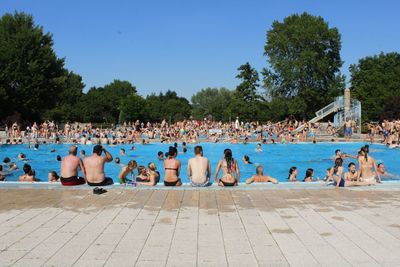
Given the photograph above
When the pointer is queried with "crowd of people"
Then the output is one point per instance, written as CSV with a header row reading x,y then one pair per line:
x,y
91,169
187,131
192,131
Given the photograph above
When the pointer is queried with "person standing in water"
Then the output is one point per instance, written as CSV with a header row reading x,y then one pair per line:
x,y
367,169
229,168
293,174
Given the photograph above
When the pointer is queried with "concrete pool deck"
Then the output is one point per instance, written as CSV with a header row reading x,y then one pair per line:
x,y
245,226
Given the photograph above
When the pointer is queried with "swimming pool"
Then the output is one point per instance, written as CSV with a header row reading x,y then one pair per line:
x,y
276,158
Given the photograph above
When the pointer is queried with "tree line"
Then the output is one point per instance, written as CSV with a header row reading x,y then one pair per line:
x,y
302,74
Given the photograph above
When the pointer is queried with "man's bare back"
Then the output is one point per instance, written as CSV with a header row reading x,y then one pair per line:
x,y
70,165
94,165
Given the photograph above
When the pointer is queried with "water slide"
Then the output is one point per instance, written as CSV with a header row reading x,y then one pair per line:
x,y
322,113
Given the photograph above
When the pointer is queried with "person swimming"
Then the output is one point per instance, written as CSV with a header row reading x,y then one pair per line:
x,y
53,176
229,168
246,160
293,174
309,176
259,177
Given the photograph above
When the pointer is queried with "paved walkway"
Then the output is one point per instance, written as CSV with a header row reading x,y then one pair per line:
x,y
279,227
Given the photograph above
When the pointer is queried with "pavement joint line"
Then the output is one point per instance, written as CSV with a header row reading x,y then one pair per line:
x,y
347,237
297,236
220,226
124,206
176,221
130,225
244,226
30,219
198,227
344,215
155,219
76,233
380,225
100,233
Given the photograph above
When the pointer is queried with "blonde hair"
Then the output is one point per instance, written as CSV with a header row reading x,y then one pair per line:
x,y
152,166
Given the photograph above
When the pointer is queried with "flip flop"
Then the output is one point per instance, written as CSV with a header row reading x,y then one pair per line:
x,y
99,191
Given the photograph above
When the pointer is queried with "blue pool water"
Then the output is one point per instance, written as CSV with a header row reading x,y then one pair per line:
x,y
276,159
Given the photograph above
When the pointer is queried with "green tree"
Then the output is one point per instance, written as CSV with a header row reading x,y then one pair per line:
x,y
132,108
212,101
66,108
32,78
103,104
374,81
303,53
246,101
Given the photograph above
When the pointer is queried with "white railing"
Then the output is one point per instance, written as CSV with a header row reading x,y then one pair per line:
x,y
325,111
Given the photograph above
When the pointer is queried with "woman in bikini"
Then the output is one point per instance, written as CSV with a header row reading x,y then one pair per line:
x,y
172,169
336,173
366,165
229,167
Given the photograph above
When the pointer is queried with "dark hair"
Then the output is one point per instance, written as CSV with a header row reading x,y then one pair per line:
x,y
36,146
309,173
257,170
336,151
184,150
27,168
172,151
6,160
83,152
97,149
380,164
198,150
166,154
1,168
229,159
54,174
351,164
58,158
338,163
291,170
160,153
175,145
117,160
184,143
122,149
141,168
365,149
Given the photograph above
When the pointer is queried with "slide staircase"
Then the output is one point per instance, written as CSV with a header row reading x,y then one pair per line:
x,y
322,113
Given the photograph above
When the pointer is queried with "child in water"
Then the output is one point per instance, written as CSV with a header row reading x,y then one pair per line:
x,y
132,165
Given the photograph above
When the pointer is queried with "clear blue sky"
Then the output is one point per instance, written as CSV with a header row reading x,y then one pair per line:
x,y
189,45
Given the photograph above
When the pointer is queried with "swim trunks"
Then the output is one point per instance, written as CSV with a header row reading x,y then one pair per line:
x,y
73,180
107,181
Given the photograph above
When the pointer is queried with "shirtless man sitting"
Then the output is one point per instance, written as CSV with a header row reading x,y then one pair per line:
x,y
69,168
95,167
259,177
199,170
